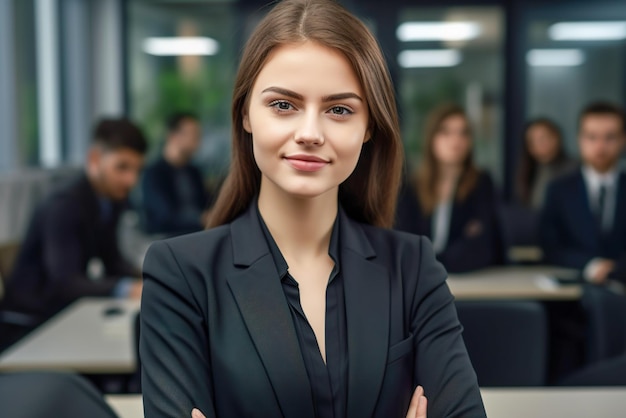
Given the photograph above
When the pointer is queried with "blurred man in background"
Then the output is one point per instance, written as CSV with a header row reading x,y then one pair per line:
x,y
173,193
584,218
71,250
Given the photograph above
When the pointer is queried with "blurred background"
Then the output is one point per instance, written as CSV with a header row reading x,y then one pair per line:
x,y
66,63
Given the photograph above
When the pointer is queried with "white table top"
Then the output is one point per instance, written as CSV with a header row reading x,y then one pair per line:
x,y
555,403
81,339
499,403
514,282
127,406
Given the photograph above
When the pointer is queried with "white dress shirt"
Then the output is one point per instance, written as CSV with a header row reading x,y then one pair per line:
x,y
441,225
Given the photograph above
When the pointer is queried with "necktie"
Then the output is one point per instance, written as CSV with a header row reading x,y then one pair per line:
x,y
600,208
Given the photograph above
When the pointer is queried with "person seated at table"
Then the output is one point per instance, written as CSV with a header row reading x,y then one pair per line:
x,y
582,223
70,249
543,159
173,192
450,200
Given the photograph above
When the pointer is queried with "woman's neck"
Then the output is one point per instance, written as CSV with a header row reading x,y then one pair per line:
x,y
301,227
449,172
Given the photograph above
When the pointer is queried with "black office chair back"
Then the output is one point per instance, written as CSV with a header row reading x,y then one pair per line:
x,y
506,341
610,372
606,323
43,395
134,383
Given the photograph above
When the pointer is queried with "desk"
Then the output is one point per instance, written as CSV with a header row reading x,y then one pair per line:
x,y
499,403
127,406
80,338
555,402
514,282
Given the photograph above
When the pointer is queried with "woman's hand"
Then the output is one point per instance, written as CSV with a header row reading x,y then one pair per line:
x,y
195,413
417,407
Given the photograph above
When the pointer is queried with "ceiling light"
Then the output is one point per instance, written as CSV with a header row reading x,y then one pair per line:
x,y
587,31
429,58
180,46
555,57
437,31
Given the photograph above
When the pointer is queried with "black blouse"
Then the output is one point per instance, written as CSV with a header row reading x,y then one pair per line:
x,y
328,380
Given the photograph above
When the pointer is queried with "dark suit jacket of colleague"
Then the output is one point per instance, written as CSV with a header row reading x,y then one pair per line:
x,y
67,237
568,231
217,333
162,202
463,252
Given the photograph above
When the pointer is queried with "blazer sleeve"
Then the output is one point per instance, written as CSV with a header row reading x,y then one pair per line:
x,y
173,347
465,253
442,366
63,254
556,250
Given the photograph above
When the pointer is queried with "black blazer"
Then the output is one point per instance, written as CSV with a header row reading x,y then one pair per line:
x,y
463,252
65,233
161,200
568,232
217,334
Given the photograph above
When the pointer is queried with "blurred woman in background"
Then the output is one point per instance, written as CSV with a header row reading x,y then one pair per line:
x,y
543,158
449,199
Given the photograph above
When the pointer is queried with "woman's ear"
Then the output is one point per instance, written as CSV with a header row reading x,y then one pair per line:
x,y
368,135
246,123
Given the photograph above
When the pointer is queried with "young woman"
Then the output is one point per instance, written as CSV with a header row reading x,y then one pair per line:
x,y
298,302
448,199
543,158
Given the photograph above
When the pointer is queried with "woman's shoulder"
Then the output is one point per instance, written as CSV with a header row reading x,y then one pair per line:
x,y
393,241
194,246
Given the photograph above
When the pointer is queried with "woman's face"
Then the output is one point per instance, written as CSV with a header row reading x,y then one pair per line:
x,y
452,142
543,144
308,118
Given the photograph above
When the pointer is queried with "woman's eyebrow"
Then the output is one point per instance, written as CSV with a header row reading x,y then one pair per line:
x,y
341,96
284,92
297,96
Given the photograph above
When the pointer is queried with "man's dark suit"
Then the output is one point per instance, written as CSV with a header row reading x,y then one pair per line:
x,y
161,198
462,252
217,333
66,234
569,234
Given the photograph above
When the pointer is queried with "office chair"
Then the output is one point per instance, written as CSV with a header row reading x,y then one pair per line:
x,y
43,395
610,372
519,230
134,382
506,341
606,327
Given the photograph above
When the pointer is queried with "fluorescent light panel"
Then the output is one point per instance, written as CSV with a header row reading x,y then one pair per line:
x,y
588,31
180,46
437,31
429,58
555,57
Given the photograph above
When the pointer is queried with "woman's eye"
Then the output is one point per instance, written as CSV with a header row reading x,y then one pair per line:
x,y
340,110
281,105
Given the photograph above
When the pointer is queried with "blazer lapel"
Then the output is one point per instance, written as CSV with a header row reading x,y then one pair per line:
x,y
259,295
367,296
588,226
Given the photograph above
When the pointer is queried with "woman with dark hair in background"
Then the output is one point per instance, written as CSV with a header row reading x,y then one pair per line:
x,y
543,158
449,199
299,302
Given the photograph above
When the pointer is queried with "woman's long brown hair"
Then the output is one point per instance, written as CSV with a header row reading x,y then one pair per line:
x,y
369,195
425,178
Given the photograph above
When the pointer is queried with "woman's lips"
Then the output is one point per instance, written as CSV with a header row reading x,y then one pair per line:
x,y
307,163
